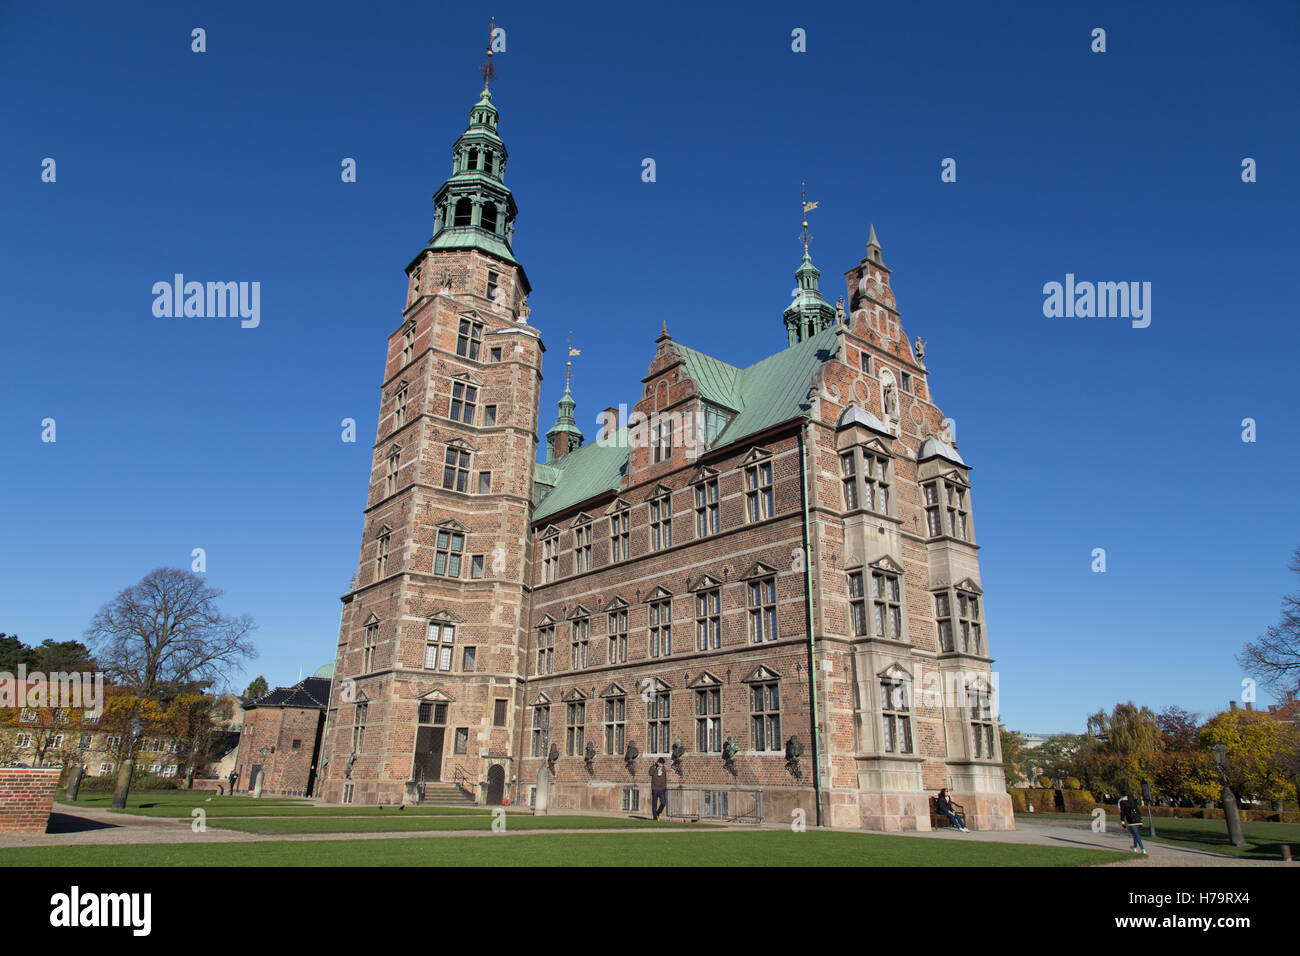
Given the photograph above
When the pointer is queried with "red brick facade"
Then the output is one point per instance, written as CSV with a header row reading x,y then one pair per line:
x,y
404,709
26,798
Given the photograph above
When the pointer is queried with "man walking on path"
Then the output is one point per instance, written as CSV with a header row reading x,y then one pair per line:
x,y
658,788
1131,818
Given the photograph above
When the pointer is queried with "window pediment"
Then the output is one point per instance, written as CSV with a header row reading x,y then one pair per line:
x,y
578,612
878,446
546,621
460,443
956,478
438,695
896,673
706,679
658,594
550,531
541,700
757,454
574,695
616,603
443,616
581,519
705,582
614,690
467,377
760,674
372,618
886,564
658,491
652,685
704,473
969,586
451,524
617,505
759,570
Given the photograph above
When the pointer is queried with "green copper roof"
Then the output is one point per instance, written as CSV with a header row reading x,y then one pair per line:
x,y
765,394
464,238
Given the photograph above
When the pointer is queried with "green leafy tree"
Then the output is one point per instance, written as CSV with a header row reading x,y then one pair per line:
x,y
65,657
1015,758
1056,755
1257,747
258,688
14,652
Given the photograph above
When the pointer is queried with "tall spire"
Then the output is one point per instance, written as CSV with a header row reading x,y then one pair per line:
x,y
474,209
809,313
565,436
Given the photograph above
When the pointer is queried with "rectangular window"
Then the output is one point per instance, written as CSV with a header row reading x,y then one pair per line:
x,y
906,382
359,726
499,712
496,354
618,637
758,494
468,339
399,405
489,414
381,555
485,482
464,400
708,620
438,642
469,659
23,741
982,723
762,610
661,628
661,438
631,799
545,649
658,709
957,513
933,521
462,741
864,361
849,479
550,558
619,537
706,508
447,553
968,616
390,479
368,649
476,566
858,605
408,341
455,469
615,724
541,729
765,716
896,716
579,643
708,720
943,616
661,524
875,480
582,549
575,728
887,602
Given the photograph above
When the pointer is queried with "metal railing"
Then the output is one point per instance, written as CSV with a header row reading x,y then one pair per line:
x,y
465,783
730,806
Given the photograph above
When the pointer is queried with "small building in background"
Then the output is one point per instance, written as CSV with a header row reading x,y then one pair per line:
x,y
281,738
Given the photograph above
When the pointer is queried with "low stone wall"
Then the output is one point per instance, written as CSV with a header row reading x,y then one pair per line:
x,y
26,798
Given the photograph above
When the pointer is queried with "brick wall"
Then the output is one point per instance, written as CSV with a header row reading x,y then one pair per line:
x,y
26,799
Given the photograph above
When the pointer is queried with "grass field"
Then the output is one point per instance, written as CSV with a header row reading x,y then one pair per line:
x,y
401,823
758,848
1264,841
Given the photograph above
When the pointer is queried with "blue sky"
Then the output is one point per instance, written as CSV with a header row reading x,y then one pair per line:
x,y
1083,433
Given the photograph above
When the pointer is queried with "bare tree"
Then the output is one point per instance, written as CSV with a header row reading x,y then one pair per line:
x,y
166,633
1274,659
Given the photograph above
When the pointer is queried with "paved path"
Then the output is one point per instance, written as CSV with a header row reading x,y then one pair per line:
x,y
97,826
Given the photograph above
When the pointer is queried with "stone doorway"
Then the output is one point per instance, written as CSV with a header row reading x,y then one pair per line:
x,y
496,785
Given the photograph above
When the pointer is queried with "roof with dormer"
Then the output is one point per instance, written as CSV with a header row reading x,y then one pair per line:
x,y
767,393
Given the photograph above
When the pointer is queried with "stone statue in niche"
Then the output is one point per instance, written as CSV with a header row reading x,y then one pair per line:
x,y
524,310
920,348
891,402
839,312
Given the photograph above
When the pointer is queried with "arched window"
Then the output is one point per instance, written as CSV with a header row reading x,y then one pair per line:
x,y
488,218
464,212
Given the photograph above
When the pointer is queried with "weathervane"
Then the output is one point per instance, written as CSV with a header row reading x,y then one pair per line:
x,y
568,366
488,71
806,237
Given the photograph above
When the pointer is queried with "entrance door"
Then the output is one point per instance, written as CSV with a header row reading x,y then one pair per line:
x,y
496,788
428,753
254,772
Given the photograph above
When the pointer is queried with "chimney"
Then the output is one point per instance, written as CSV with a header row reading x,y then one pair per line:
x,y
1250,705
608,423
561,446
1232,705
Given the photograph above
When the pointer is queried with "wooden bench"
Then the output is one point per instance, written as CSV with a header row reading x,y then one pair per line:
x,y
937,819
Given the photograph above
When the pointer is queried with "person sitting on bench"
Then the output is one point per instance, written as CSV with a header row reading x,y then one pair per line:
x,y
943,803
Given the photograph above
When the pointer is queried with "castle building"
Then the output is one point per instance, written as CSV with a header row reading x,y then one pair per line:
x,y
766,575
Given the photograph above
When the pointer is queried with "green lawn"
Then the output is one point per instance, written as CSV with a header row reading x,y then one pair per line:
x,y
759,848
401,823
188,799
1263,840
215,810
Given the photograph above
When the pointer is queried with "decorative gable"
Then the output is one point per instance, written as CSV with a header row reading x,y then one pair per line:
x,y
757,454
574,695
706,679
886,564
437,695
969,586
577,612
705,582
581,519
703,473
451,524
760,674
614,690
658,594
758,570
443,616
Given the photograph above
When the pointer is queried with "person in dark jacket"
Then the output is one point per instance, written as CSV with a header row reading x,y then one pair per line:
x,y
1131,817
658,788
943,803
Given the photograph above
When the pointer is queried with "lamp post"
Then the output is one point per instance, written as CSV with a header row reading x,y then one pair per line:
x,y
123,787
1230,814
